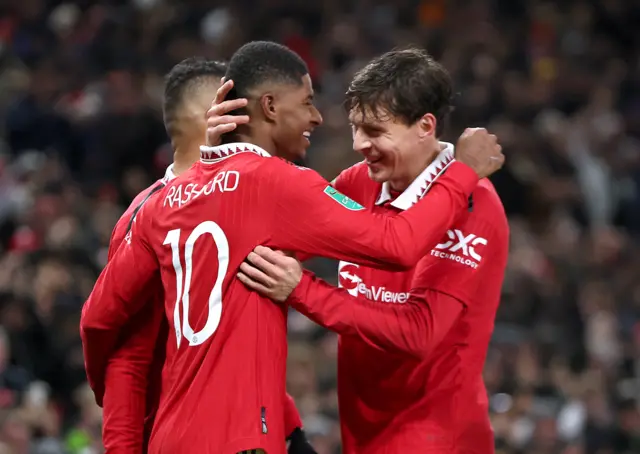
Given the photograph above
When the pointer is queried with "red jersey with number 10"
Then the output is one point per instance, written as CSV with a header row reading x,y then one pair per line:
x,y
224,383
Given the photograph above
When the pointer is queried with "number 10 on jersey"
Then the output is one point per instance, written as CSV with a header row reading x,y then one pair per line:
x,y
183,281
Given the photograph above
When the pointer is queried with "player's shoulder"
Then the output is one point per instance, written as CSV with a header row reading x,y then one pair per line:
x,y
254,162
357,174
279,163
487,208
281,170
124,223
486,193
356,183
145,195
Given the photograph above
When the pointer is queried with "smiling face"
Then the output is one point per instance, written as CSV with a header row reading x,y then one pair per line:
x,y
295,117
393,151
398,104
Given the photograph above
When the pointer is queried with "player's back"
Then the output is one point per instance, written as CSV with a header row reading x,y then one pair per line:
x,y
225,377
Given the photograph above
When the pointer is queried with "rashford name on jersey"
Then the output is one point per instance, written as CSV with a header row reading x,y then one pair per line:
x,y
179,195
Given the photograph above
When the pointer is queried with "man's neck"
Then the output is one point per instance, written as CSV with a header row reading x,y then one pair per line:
x,y
262,141
399,185
184,155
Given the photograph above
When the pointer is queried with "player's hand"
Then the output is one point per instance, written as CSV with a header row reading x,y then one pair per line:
x,y
270,273
218,122
480,150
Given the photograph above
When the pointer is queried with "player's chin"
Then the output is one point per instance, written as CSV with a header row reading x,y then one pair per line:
x,y
294,152
299,154
378,174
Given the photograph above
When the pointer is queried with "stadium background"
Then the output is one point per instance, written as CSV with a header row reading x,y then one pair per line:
x,y
558,82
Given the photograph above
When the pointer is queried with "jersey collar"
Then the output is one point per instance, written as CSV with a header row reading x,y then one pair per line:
x,y
168,174
213,154
422,183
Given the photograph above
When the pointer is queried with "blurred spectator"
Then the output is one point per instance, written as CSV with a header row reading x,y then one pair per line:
x,y
81,133
13,379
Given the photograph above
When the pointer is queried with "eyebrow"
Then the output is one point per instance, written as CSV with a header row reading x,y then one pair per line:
x,y
366,124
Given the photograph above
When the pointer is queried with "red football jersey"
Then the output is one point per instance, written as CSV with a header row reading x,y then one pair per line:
x,y
225,378
434,399
127,382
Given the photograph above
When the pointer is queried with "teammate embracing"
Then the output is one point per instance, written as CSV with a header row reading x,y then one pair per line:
x,y
412,344
225,372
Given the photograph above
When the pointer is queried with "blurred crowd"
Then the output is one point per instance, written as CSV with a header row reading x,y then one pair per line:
x,y
559,82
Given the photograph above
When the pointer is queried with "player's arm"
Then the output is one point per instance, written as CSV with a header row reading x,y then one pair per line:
x,y
120,384
343,182
311,217
127,381
296,438
292,418
95,373
114,242
415,327
442,288
122,387
116,298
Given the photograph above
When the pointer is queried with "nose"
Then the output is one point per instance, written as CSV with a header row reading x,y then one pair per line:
x,y
361,142
316,117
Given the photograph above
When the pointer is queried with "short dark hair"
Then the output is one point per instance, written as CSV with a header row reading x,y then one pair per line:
x,y
406,83
185,76
260,62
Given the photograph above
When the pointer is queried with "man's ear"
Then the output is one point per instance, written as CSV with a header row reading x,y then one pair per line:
x,y
267,103
427,125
